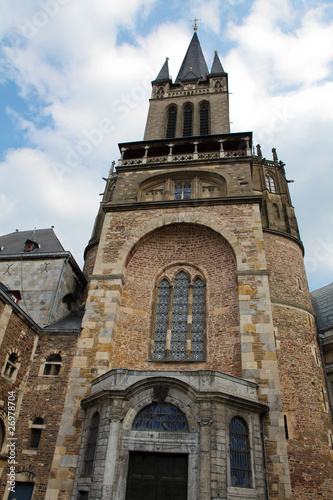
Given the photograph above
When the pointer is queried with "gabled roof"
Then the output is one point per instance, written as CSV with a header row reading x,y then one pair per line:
x,y
45,239
194,61
322,302
217,68
163,75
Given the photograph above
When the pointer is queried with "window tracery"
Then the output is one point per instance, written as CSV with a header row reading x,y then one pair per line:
x,y
270,183
161,417
179,323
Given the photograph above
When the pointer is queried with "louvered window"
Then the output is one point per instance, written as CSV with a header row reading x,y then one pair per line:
x,y
171,123
204,119
239,454
173,315
187,124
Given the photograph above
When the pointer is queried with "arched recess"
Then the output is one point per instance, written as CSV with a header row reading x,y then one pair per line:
x,y
182,185
207,258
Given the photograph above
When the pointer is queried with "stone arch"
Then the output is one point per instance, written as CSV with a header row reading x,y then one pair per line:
x,y
179,394
147,227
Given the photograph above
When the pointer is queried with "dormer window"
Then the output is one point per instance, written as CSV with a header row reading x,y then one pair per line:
x,y
30,246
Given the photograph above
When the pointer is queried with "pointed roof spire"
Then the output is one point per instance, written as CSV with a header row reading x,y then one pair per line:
x,y
163,75
217,68
194,62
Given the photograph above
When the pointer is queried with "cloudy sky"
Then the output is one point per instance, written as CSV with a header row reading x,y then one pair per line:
x,y
66,66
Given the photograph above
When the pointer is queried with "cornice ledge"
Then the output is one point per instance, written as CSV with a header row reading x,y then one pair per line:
x,y
292,305
253,272
100,277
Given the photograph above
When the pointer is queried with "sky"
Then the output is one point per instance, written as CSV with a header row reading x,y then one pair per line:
x,y
68,67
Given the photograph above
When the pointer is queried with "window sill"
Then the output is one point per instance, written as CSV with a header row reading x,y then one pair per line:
x,y
29,452
152,360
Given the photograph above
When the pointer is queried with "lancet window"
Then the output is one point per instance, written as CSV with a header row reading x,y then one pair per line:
x,y
171,122
270,183
239,453
179,319
188,119
204,118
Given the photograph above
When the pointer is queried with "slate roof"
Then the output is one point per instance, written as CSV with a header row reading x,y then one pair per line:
x,y
69,323
163,75
322,302
194,59
217,68
14,243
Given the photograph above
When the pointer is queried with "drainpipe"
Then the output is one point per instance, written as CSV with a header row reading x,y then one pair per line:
x,y
58,288
264,452
321,336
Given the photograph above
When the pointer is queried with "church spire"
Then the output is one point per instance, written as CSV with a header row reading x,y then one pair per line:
x,y
163,75
217,68
194,63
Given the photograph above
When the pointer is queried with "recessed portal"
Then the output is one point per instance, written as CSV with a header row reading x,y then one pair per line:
x,y
157,476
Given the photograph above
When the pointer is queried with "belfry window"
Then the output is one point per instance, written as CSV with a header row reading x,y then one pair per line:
x,y
270,183
91,446
204,119
179,321
188,118
161,417
182,190
171,123
239,453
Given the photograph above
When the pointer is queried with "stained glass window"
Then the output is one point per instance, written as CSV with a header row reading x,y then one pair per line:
x,y
179,317
197,345
239,453
182,191
91,446
161,417
162,320
187,334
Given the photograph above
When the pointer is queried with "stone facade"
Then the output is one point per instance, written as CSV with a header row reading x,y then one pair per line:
x,y
253,407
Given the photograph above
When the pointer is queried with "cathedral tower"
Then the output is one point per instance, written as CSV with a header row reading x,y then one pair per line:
x,y
197,369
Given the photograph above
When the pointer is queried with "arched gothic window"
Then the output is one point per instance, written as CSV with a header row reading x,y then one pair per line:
x,y
276,210
270,183
239,453
188,118
204,118
171,123
161,417
180,309
91,446
36,432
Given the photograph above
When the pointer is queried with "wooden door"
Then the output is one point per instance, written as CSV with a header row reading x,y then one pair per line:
x,y
157,476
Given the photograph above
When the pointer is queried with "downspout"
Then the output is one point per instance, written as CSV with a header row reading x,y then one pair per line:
x,y
321,336
58,288
264,452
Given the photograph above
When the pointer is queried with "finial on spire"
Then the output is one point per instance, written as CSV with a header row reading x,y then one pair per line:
x,y
195,25
215,52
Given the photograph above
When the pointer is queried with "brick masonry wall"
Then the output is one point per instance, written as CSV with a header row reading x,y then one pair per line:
x,y
194,245
43,396
300,372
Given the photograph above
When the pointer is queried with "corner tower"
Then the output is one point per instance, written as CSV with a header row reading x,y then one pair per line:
x,y
196,369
